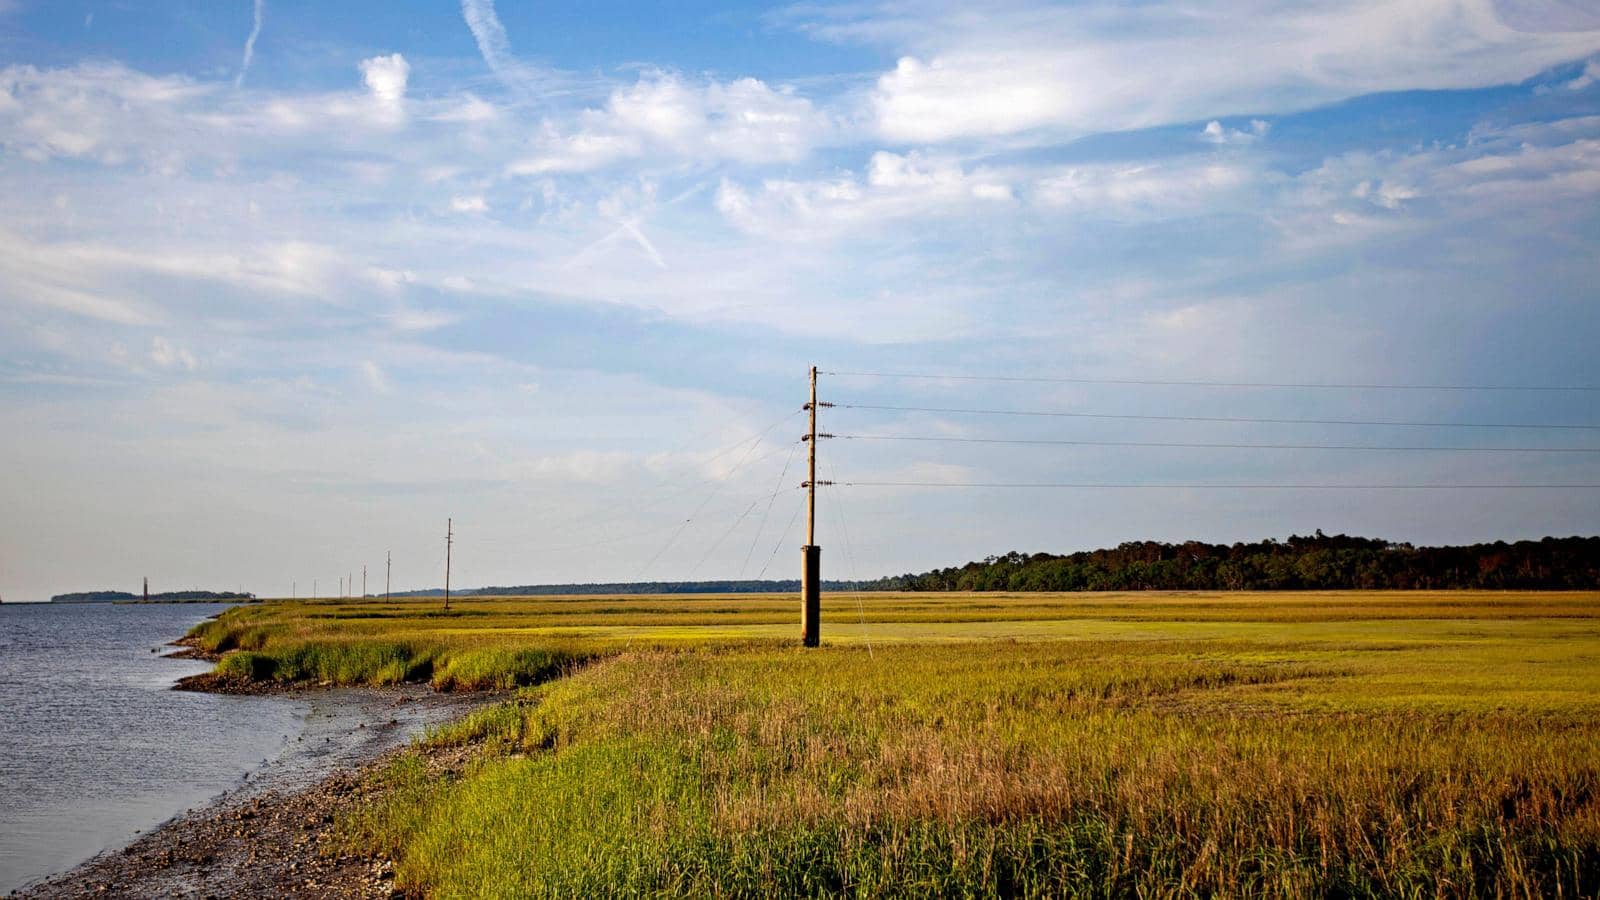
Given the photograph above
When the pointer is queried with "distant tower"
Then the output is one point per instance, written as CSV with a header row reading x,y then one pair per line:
x,y
147,589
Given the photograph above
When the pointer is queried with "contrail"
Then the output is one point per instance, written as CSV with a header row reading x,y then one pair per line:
x,y
632,227
250,44
496,47
489,33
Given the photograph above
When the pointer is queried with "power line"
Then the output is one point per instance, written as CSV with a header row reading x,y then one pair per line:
x,y
1224,487
1211,446
630,505
762,527
736,522
1058,413
715,489
928,376
781,538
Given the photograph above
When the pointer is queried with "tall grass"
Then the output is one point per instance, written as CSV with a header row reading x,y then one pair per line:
x,y
1092,770
1334,745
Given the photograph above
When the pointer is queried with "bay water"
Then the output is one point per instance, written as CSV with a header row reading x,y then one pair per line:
x,y
95,746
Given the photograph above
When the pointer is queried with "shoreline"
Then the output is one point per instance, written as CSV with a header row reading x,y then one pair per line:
x,y
273,833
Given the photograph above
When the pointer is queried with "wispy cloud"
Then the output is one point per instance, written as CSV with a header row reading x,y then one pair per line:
x,y
249,43
169,356
374,376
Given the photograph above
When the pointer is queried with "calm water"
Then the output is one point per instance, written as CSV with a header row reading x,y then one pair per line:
x,y
94,746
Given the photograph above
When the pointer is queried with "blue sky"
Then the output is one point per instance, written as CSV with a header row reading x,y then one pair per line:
x,y
277,297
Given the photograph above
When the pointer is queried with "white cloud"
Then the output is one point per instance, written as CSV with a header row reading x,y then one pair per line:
x,y
373,374
470,108
167,356
420,320
893,186
96,111
469,204
1591,75
1216,133
386,78
663,114
1160,189
1108,66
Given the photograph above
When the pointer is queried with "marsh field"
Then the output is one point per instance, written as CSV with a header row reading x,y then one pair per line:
x,y
1332,744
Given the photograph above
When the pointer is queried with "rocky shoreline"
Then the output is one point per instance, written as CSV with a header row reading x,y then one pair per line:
x,y
274,835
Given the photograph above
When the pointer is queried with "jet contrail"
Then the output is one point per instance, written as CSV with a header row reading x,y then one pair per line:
x,y
489,33
496,47
250,43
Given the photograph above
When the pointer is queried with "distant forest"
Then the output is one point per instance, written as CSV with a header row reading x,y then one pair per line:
x,y
1312,562
167,597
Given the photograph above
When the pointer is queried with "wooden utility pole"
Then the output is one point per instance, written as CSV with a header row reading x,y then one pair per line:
x,y
147,589
363,581
449,538
388,567
811,554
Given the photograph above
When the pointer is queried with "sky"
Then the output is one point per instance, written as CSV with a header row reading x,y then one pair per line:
x,y
286,285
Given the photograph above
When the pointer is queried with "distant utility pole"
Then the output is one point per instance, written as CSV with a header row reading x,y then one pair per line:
x,y
811,554
341,587
363,581
147,589
388,565
449,538
294,590
313,589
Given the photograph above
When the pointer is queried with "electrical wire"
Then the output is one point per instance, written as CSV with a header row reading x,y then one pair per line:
x,y
781,538
742,516
762,527
632,507
850,559
1387,423
1226,487
1210,446
929,376
716,488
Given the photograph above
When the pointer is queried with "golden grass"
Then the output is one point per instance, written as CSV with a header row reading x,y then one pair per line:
x,y
1327,744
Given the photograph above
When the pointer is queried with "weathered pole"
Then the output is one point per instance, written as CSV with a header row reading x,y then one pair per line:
x,y
811,554
449,538
388,569
363,581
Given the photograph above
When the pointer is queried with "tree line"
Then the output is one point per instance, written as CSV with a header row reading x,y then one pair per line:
x,y
164,597
770,586
1311,562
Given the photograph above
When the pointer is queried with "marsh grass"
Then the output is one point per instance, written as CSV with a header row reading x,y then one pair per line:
x,y
1330,745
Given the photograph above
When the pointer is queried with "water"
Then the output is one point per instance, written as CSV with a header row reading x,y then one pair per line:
x,y
95,746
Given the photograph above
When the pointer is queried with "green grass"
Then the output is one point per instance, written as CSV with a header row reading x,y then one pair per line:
x,y
1338,744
